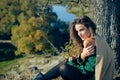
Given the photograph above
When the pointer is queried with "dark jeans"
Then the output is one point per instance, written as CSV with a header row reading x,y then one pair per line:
x,y
65,71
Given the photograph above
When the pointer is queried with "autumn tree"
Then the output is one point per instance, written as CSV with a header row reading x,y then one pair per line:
x,y
9,12
33,34
28,37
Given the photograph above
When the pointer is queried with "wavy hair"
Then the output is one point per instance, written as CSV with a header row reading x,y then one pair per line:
x,y
77,41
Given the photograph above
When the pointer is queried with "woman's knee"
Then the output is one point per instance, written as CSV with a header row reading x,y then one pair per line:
x,y
62,67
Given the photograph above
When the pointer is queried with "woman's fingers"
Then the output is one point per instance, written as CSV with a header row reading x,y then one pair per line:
x,y
71,58
88,51
90,47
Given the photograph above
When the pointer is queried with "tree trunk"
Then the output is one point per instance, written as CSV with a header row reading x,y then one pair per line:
x,y
107,18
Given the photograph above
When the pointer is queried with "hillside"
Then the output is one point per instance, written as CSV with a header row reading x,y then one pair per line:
x,y
25,68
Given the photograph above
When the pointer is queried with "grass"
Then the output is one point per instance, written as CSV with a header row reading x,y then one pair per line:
x,y
8,65
12,64
7,68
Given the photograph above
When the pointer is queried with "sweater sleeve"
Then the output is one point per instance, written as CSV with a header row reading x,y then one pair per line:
x,y
87,67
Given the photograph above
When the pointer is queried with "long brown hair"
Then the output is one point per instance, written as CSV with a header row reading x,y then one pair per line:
x,y
87,22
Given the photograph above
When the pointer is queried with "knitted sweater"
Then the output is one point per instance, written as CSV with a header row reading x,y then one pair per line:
x,y
87,66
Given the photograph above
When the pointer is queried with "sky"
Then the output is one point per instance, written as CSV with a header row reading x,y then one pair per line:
x,y
62,13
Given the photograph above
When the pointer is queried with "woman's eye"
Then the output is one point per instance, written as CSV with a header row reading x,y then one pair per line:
x,y
81,29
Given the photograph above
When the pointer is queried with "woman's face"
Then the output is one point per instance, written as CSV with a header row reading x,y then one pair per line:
x,y
83,32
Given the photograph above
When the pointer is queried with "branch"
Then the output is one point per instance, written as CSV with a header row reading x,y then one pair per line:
x,y
52,45
47,3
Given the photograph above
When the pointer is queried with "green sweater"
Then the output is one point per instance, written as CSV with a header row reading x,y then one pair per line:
x,y
87,67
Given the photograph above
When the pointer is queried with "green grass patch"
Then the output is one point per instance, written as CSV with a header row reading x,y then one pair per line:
x,y
8,65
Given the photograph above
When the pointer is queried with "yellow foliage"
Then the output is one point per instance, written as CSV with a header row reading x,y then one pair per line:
x,y
35,21
70,50
16,31
25,29
24,4
38,34
29,12
2,6
39,47
25,45
21,17
30,37
17,52
12,18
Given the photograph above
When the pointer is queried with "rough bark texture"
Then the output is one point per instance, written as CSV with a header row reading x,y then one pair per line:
x,y
107,18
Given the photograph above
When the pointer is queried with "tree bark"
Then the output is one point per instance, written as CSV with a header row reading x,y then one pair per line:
x,y
107,18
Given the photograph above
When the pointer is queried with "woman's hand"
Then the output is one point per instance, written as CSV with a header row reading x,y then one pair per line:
x,y
71,58
87,51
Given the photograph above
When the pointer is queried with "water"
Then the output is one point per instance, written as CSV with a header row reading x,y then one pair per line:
x,y
62,13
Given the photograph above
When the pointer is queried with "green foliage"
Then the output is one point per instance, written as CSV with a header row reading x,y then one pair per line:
x,y
70,50
7,18
60,33
8,65
82,7
76,10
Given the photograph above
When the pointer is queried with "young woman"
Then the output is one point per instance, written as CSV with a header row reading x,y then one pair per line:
x,y
92,63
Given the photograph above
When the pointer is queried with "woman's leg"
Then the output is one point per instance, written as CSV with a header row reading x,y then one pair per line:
x,y
70,73
53,73
65,71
